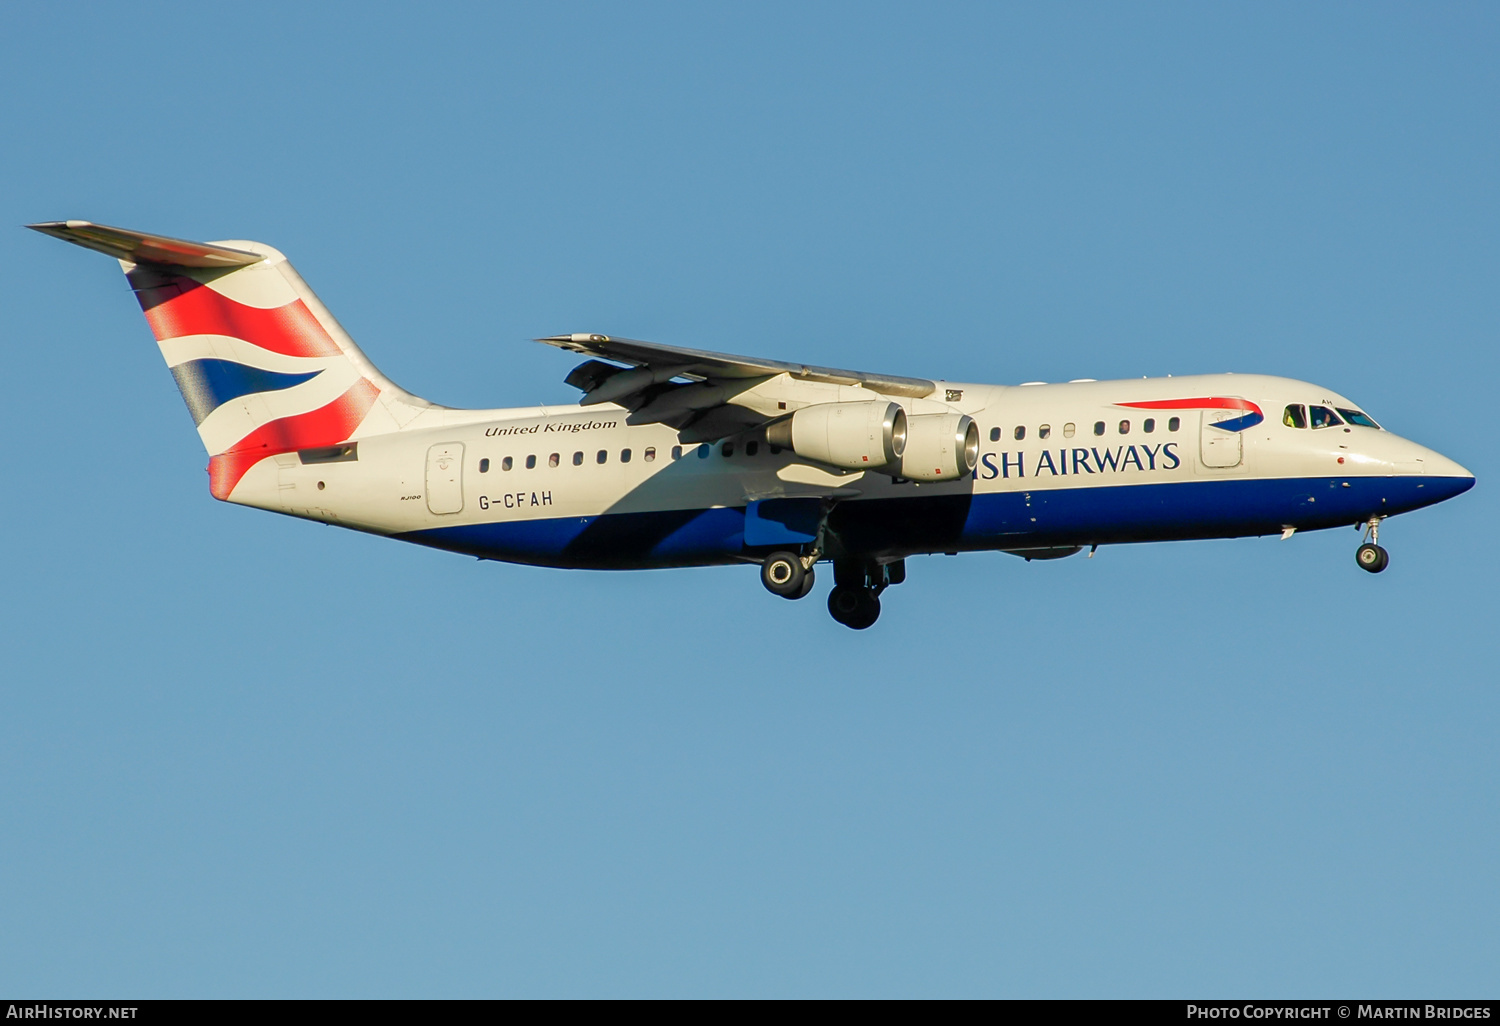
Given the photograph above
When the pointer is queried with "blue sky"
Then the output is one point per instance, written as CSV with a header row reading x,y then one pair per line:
x,y
242,755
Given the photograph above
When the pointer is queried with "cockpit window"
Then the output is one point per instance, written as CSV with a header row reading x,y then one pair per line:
x,y
1355,417
1295,416
1323,417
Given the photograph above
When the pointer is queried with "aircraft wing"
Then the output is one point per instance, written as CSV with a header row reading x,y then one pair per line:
x,y
646,387
710,366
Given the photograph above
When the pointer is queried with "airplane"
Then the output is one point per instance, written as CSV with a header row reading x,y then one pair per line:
x,y
679,457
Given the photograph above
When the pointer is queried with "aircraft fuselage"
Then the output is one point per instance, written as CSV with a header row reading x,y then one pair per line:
x,y
1060,465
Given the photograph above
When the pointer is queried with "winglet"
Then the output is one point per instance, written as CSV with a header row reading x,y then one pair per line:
x,y
138,247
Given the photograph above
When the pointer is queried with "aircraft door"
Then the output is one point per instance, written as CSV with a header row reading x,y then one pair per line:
x,y
445,478
1217,446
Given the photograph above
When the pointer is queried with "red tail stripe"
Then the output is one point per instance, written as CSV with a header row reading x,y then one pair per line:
x,y
327,425
291,330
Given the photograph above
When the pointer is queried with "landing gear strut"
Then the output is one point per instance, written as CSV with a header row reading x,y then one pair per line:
x,y
1370,556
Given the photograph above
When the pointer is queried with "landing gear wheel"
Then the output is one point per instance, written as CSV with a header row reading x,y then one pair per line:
x,y
807,584
853,607
782,574
1372,558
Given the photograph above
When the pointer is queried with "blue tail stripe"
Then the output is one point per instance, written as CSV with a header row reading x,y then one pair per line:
x,y
208,384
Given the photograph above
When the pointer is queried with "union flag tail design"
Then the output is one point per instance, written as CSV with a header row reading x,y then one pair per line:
x,y
262,365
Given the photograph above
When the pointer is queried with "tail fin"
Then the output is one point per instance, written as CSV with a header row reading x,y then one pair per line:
x,y
263,366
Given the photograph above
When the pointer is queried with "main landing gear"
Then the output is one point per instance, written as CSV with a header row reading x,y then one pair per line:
x,y
855,598
787,574
1370,556
857,584
854,607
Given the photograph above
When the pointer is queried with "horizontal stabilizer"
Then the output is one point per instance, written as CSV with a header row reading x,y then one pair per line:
x,y
138,247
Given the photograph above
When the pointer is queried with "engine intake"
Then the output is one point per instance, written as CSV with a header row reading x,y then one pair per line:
x,y
855,436
940,447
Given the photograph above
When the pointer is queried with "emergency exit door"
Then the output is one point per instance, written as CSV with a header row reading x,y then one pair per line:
x,y
445,478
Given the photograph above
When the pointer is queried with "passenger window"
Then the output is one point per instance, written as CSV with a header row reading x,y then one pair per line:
x,y
728,449
601,457
1295,416
1045,431
1355,417
1020,433
484,466
1069,430
506,463
1098,427
994,434
1323,417
1124,427
775,450
578,458
704,450
531,463
649,455
1148,425
624,455
1174,423
751,448
554,460
677,452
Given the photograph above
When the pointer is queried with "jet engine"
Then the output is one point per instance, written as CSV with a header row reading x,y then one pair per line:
x,y
940,447
856,436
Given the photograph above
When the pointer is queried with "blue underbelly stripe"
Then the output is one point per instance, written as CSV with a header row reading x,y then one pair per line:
x,y
1072,516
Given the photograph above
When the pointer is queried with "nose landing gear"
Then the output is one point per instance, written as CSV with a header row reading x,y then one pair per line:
x,y
1371,556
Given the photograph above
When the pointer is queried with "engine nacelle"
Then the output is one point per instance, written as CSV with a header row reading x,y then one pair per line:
x,y
940,447
856,436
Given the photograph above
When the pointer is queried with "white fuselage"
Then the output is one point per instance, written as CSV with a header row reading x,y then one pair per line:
x,y
484,481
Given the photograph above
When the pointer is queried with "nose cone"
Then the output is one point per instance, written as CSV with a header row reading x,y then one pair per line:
x,y
1444,477
1439,465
